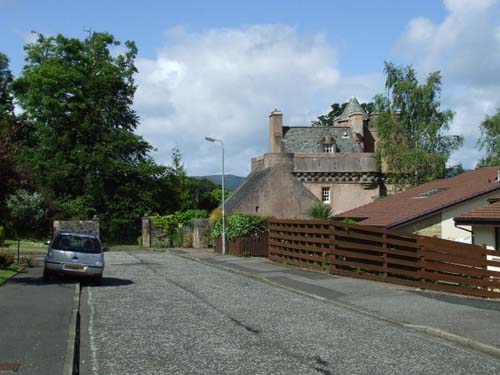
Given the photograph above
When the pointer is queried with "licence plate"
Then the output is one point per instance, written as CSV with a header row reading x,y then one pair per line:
x,y
73,267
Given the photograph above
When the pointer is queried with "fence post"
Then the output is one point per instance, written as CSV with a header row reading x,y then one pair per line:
x,y
484,259
421,260
331,248
384,254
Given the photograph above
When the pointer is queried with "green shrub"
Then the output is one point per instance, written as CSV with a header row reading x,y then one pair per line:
x,y
349,221
139,241
215,216
162,243
319,211
2,234
172,225
187,241
26,261
238,225
189,216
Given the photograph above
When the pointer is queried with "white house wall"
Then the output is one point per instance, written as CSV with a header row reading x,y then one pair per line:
x,y
449,230
442,224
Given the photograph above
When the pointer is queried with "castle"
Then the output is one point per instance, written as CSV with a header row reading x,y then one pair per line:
x,y
335,165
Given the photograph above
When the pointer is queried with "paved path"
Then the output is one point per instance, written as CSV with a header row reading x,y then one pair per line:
x,y
164,314
34,321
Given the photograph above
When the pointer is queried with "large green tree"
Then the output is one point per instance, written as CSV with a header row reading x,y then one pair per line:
x,y
412,143
10,178
82,152
490,140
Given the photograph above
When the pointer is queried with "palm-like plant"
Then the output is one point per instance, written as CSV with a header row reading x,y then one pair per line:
x,y
319,211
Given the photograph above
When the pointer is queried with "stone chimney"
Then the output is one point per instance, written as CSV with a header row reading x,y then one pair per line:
x,y
275,131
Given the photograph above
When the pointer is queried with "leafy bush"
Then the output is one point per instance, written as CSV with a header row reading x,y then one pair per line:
x,y
6,260
26,261
187,241
215,216
319,211
172,225
139,241
238,225
27,210
349,221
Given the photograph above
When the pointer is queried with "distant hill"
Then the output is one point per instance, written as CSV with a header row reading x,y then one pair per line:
x,y
231,181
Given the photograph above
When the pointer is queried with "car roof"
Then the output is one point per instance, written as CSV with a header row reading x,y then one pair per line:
x,y
79,234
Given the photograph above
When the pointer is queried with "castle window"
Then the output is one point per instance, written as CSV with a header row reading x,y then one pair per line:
x,y
328,148
325,195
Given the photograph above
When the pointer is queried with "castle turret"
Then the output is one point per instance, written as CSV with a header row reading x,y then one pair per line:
x,y
354,116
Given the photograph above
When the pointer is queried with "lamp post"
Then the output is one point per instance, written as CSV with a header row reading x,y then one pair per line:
x,y
223,212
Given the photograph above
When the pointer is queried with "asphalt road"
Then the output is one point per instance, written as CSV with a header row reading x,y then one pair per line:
x,y
34,322
164,314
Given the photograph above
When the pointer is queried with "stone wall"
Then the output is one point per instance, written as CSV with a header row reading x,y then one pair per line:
x,y
150,233
78,226
327,163
344,196
201,234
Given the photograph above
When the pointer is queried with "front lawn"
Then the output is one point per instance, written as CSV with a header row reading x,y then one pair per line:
x,y
8,272
27,246
26,243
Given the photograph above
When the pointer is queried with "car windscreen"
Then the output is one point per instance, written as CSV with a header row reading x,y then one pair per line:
x,y
77,244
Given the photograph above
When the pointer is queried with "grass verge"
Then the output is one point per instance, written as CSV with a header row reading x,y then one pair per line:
x,y
26,243
7,273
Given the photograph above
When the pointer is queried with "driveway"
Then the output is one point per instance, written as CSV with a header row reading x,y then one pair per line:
x,y
34,322
165,314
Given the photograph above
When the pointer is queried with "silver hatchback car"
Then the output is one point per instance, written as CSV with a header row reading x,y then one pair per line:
x,y
76,254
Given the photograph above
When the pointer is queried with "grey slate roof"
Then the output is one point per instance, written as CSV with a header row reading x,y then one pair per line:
x,y
351,107
308,138
248,185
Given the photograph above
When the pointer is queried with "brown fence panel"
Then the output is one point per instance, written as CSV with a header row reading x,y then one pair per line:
x,y
300,243
255,246
459,268
385,255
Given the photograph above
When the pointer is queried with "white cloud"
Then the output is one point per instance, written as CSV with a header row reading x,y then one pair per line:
x,y
466,7
465,47
223,83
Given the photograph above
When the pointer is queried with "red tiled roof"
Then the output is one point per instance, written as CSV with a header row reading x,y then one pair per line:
x,y
488,213
422,200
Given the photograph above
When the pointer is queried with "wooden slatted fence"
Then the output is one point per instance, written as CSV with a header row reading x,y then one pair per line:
x,y
256,245
385,255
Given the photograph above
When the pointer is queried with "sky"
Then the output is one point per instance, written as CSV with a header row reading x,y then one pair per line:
x,y
218,68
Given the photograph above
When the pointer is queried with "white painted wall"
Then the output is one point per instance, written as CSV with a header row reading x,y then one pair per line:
x,y
486,235
448,229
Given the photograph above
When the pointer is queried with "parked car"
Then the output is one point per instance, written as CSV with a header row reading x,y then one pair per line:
x,y
77,254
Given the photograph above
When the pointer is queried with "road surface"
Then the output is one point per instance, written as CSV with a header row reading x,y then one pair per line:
x,y
165,314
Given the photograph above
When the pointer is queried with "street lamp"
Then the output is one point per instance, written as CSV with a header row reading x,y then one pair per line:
x,y
223,213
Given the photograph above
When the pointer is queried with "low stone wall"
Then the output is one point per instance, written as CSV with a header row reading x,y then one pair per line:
x,y
197,237
150,233
78,226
